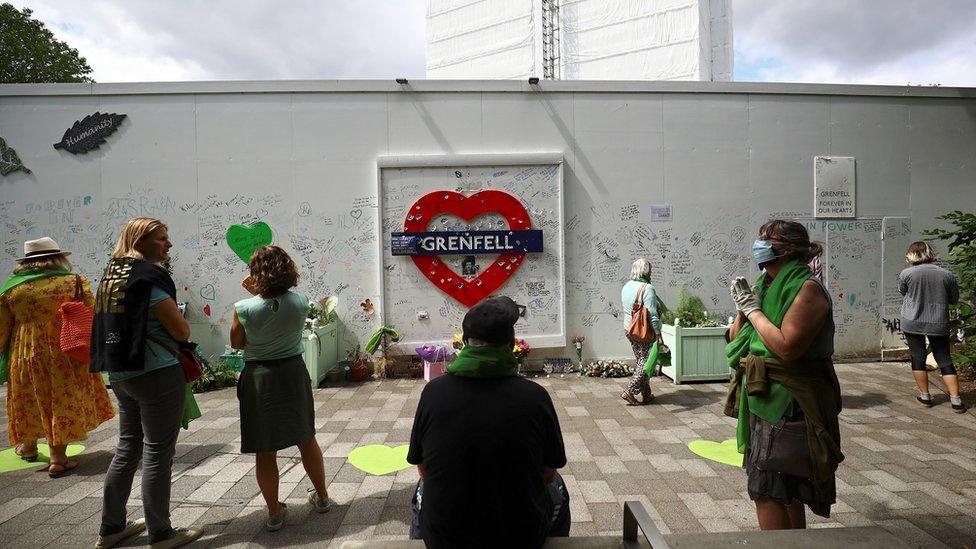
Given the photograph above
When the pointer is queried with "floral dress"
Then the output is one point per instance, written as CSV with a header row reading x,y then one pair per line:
x,y
49,395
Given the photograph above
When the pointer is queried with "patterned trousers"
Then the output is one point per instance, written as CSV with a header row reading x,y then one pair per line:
x,y
640,384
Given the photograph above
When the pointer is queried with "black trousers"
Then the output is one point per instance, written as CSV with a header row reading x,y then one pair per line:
x,y
940,350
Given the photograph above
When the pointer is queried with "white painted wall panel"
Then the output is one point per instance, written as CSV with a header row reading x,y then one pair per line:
x,y
306,164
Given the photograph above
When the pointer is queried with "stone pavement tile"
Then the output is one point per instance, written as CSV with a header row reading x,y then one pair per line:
x,y
395,520
852,519
629,452
40,535
741,512
341,449
931,504
905,474
596,491
702,506
348,473
364,511
607,517
343,492
217,516
886,498
75,493
611,465
941,493
584,470
678,518
697,468
641,470
20,514
375,486
581,529
718,525
325,524
945,529
209,492
907,532
72,541
723,489
664,463
887,481
577,411
351,532
249,521
79,512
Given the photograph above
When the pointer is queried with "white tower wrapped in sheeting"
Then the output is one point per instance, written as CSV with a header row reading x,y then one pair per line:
x,y
594,39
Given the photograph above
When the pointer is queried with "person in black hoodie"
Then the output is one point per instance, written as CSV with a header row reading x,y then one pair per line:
x,y
136,321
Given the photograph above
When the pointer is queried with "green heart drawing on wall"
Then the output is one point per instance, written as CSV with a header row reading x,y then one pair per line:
x,y
243,240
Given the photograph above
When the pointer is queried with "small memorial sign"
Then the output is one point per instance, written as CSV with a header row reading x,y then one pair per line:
x,y
833,187
466,242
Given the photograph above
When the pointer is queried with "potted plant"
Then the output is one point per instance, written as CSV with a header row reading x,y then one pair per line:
x,y
383,366
357,364
696,340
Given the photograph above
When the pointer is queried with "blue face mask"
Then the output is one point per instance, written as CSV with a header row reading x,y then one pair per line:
x,y
762,252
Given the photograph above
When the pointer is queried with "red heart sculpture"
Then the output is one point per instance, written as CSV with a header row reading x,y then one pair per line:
x,y
468,292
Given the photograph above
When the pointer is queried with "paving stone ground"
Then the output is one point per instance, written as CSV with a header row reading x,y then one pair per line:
x,y
909,470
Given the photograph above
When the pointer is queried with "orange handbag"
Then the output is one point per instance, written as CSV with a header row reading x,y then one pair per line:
x,y
640,328
76,325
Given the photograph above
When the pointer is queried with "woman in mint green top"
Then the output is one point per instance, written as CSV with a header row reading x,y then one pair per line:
x,y
640,285
274,390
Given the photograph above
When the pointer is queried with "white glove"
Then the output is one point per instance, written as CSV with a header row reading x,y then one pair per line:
x,y
746,300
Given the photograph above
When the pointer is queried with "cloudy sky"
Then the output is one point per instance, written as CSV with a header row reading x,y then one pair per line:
x,y
842,41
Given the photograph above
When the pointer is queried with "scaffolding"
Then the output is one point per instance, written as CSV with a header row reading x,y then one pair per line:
x,y
550,40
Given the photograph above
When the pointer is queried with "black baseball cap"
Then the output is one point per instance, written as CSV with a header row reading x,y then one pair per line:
x,y
492,321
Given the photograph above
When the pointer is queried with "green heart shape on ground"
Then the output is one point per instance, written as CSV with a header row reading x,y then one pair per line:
x,y
726,452
10,461
244,240
379,459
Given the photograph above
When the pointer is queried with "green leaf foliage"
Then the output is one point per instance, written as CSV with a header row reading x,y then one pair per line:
x,y
29,52
960,239
690,310
215,376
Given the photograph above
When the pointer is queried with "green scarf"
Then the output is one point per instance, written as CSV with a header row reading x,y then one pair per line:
x,y
486,361
776,300
9,284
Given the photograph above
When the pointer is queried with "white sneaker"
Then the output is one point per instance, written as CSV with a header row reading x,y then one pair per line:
x,y
320,505
132,528
180,537
273,524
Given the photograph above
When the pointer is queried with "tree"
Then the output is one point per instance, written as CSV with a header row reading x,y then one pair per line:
x,y
962,259
29,52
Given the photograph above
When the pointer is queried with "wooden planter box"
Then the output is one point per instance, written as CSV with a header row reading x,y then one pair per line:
x,y
697,354
321,351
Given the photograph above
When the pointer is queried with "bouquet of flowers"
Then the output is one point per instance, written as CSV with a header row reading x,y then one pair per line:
x,y
435,353
521,349
457,343
607,368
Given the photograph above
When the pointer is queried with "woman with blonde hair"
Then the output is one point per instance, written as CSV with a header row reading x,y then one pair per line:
x,y
275,391
136,321
639,288
928,292
50,395
784,390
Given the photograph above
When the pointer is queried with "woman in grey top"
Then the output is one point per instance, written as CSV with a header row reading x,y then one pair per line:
x,y
929,290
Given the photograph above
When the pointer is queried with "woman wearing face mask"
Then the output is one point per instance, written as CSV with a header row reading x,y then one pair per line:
x,y
784,391
136,321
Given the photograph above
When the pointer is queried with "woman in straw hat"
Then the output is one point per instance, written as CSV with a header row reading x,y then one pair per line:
x,y
50,394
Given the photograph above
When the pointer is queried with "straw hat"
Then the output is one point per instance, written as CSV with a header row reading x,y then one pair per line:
x,y
42,247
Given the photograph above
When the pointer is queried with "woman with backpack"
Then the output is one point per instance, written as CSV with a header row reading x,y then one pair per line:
x,y
639,290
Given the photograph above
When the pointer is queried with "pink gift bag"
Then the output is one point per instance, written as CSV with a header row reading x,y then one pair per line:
x,y
434,370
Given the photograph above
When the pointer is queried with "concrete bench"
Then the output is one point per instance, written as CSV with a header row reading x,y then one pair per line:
x,y
640,531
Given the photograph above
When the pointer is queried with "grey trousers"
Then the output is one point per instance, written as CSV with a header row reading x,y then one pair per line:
x,y
150,411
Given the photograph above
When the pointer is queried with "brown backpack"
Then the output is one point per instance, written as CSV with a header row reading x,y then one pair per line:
x,y
640,328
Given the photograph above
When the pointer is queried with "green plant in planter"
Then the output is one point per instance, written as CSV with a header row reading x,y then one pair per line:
x,y
961,237
690,311
216,375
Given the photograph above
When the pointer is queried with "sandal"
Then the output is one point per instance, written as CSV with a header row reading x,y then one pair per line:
x,y
65,468
30,458
631,401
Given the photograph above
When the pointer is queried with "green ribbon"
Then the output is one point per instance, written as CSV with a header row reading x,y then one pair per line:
x,y
22,277
485,361
374,341
652,359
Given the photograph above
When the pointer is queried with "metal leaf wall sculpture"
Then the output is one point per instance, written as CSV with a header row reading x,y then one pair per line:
x,y
89,133
9,161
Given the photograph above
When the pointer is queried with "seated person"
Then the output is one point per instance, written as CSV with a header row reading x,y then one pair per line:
x,y
487,444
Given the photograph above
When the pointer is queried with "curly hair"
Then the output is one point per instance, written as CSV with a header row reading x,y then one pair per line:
x,y
791,239
273,271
